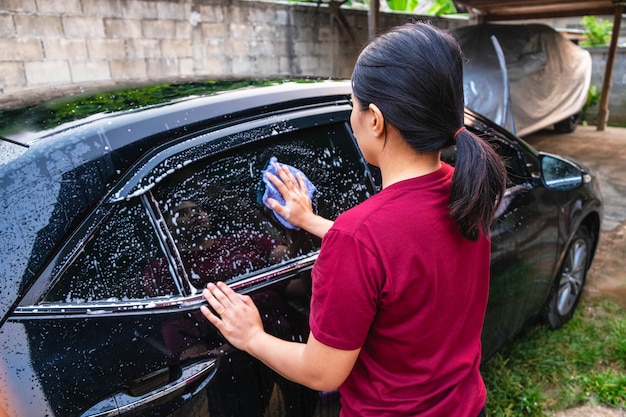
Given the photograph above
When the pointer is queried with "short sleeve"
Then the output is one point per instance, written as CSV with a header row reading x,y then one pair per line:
x,y
347,283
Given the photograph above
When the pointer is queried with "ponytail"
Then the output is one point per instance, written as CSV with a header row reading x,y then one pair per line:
x,y
414,74
478,185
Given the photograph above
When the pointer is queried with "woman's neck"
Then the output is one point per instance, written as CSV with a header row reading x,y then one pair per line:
x,y
401,162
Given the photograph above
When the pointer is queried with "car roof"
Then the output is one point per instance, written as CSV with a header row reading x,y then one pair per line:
x,y
24,125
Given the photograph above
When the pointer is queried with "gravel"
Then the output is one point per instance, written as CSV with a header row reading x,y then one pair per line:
x,y
588,411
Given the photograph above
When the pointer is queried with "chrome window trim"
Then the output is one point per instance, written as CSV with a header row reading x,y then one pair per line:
x,y
157,305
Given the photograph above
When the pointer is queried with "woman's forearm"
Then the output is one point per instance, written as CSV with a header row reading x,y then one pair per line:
x,y
311,364
317,225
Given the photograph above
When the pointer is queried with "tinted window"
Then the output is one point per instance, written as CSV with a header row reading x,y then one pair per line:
x,y
511,156
516,172
216,217
112,264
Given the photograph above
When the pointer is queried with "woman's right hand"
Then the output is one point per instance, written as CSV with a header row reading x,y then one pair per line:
x,y
295,193
298,209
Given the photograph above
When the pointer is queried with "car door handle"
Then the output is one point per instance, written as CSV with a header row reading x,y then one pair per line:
x,y
122,402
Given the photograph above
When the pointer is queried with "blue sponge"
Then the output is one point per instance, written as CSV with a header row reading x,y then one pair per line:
x,y
272,192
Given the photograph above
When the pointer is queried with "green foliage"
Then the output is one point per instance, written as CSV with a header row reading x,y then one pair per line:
x,y
609,387
402,5
543,371
597,31
593,98
357,3
510,391
442,7
439,7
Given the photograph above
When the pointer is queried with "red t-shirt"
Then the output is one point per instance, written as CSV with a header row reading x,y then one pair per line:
x,y
396,278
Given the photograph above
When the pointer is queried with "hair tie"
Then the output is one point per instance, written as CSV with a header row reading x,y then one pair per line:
x,y
462,128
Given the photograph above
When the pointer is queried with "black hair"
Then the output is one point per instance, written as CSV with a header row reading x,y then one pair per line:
x,y
414,75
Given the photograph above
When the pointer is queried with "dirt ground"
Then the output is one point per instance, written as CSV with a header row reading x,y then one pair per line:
x,y
591,412
607,276
605,153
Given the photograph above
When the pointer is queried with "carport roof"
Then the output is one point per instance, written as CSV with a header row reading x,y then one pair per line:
x,y
491,10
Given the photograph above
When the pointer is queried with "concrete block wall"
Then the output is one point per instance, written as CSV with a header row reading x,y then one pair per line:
x,y
617,99
50,45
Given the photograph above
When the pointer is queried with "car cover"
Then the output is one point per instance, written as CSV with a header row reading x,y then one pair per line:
x,y
548,75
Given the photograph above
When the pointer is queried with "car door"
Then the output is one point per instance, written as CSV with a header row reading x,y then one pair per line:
x,y
524,245
112,326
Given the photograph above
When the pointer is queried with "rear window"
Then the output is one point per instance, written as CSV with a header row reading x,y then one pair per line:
x,y
112,264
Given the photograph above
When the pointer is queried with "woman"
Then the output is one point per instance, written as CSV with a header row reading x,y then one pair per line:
x,y
400,287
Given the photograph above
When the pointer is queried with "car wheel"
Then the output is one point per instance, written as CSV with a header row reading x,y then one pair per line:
x,y
570,281
567,125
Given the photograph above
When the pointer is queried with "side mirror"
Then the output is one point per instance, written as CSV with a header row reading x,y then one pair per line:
x,y
560,174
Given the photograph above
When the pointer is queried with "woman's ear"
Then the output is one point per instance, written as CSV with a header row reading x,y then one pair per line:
x,y
378,120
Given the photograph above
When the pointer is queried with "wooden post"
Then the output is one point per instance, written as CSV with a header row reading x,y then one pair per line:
x,y
373,19
603,110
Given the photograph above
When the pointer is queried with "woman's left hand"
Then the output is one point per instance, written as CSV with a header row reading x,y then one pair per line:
x,y
320,367
237,317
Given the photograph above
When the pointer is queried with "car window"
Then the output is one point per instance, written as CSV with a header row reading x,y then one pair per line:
x,y
512,159
517,173
213,223
214,209
112,264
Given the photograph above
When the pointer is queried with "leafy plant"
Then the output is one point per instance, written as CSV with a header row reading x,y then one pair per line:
x,y
597,31
593,98
442,7
402,5
609,387
439,7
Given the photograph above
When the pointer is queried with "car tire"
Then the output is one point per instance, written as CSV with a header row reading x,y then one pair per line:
x,y
567,125
570,280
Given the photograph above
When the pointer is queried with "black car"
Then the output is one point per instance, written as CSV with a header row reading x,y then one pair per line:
x,y
117,209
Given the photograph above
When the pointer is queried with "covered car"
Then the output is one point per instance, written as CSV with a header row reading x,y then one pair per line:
x,y
546,81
